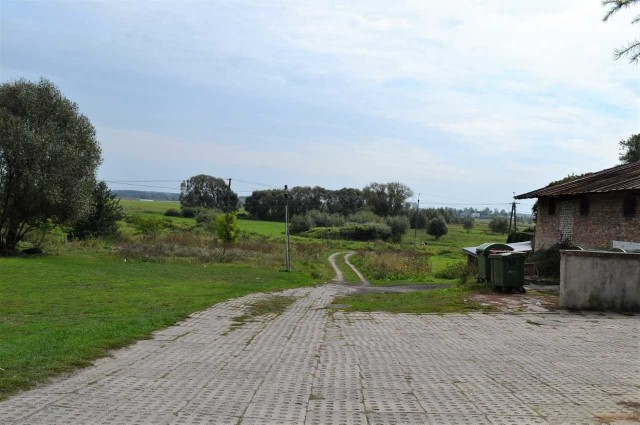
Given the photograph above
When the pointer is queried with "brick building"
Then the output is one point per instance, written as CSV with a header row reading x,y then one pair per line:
x,y
596,211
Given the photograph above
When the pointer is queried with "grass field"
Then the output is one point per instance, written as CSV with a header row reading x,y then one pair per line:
x,y
60,312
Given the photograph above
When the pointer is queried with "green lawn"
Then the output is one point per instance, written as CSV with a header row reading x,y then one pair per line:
x,y
267,228
148,207
59,312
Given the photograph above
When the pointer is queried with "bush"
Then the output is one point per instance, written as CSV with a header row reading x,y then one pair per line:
x,y
206,218
467,223
547,261
398,226
352,231
227,227
365,216
148,226
189,212
172,212
519,237
437,227
419,220
499,225
300,223
103,217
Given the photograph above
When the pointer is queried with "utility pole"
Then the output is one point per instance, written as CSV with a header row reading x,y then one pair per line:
x,y
415,225
227,235
286,229
513,216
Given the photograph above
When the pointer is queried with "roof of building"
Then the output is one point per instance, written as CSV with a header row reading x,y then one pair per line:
x,y
622,177
517,247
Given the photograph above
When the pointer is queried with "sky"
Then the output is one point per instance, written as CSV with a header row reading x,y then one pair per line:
x,y
466,101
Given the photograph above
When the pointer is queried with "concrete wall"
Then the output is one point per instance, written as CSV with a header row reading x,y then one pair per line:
x,y
599,228
596,280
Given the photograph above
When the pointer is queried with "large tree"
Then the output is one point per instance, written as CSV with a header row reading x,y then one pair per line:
x,y
48,158
386,199
632,49
630,149
204,191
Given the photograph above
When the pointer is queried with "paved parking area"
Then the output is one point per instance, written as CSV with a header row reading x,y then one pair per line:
x,y
314,366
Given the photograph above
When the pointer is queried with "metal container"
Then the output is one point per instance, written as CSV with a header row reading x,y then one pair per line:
x,y
483,251
507,271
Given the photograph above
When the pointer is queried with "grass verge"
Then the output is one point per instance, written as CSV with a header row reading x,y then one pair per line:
x,y
447,300
61,312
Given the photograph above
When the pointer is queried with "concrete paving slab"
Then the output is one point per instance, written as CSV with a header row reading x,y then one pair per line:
x,y
308,367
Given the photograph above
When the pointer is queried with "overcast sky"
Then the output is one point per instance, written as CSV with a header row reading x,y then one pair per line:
x,y
464,101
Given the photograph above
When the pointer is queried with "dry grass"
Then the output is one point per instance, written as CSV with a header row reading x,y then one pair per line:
x,y
393,265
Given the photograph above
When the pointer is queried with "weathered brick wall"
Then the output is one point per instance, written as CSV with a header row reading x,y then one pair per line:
x,y
604,223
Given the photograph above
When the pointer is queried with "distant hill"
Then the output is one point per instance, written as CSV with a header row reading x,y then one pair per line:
x,y
155,196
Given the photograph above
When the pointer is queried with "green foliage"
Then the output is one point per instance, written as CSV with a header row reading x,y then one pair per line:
x,y
437,227
103,217
352,231
189,212
148,226
301,223
398,225
204,191
499,225
547,261
632,49
48,158
467,223
630,149
386,199
419,220
227,227
519,237
173,212
365,216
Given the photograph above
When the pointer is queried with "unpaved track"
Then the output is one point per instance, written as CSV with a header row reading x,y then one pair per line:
x,y
310,367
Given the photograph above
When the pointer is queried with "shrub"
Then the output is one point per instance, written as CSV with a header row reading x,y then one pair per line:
x,y
398,226
519,237
499,225
227,227
189,212
365,231
206,218
148,226
365,216
467,223
437,227
172,212
103,217
300,223
547,261
419,220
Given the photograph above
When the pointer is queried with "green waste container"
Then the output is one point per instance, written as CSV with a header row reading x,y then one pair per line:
x,y
483,251
507,271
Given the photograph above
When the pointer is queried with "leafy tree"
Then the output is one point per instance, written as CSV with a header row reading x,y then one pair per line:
x,y
386,199
207,192
398,226
227,227
48,158
104,215
467,223
437,227
630,149
632,50
419,220
499,225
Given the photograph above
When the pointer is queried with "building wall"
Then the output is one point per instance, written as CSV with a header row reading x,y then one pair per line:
x,y
604,223
600,280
